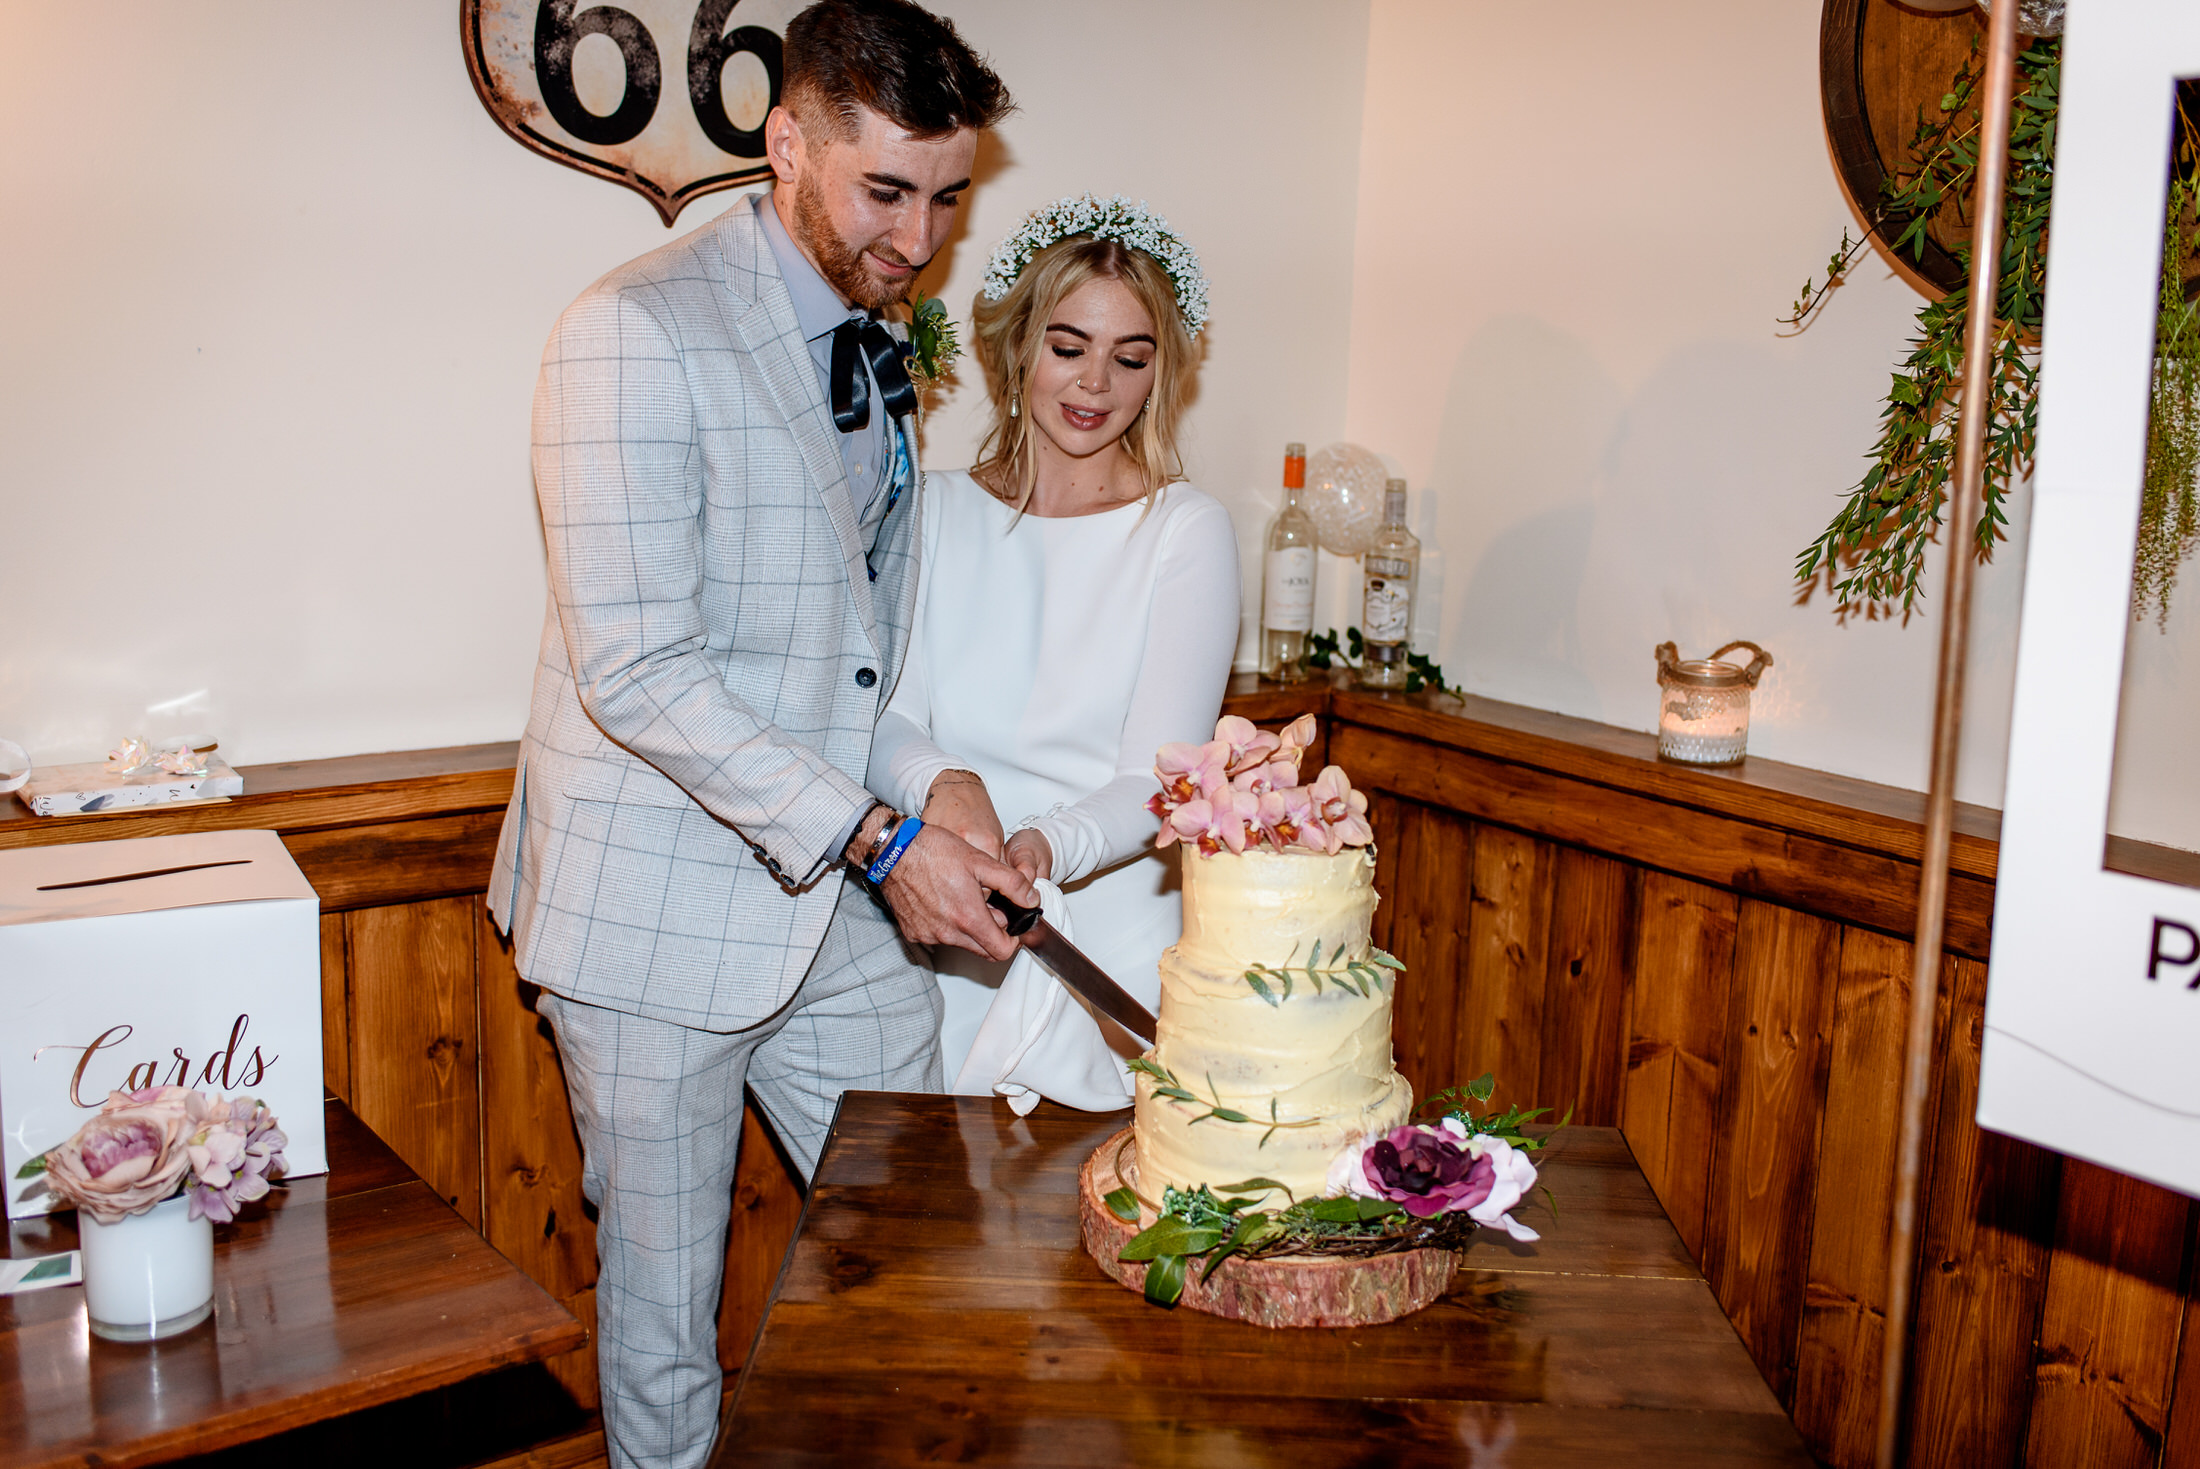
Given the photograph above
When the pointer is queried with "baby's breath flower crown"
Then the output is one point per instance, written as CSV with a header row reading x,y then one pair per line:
x,y
1104,219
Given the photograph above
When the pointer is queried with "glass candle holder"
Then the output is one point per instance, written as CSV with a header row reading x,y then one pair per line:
x,y
1703,704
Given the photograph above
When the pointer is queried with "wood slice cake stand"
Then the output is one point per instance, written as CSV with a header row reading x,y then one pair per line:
x,y
1300,1290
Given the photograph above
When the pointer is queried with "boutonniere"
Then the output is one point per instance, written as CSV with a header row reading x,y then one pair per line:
x,y
934,343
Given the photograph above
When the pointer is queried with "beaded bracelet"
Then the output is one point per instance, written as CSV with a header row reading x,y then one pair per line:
x,y
904,834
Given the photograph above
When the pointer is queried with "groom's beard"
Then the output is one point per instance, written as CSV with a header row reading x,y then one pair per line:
x,y
837,261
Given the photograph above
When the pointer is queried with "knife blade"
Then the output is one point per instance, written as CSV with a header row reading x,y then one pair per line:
x,y
1072,967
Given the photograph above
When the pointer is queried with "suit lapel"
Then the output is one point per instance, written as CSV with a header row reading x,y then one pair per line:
x,y
896,548
764,320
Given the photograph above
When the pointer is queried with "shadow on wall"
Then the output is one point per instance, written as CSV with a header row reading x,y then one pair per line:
x,y
1529,426
1585,521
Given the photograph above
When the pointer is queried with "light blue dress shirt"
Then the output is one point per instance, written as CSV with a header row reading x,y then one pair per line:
x,y
865,454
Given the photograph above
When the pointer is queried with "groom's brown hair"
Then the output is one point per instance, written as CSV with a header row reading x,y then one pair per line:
x,y
896,58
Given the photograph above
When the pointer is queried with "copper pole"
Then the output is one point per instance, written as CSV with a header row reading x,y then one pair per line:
x,y
1932,891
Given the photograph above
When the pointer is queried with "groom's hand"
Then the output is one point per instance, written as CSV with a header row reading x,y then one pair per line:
x,y
938,894
958,802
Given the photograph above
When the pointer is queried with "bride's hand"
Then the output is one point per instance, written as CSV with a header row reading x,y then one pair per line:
x,y
1029,854
958,802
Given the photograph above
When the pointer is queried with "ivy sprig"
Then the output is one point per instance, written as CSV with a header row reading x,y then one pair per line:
x,y
1422,672
1365,975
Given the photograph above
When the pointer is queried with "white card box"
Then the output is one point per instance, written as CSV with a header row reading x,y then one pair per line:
x,y
191,960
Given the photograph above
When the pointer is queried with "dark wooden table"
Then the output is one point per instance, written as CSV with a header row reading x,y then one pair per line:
x,y
938,1305
345,1291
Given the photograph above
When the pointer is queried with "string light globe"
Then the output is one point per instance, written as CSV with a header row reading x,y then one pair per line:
x,y
1344,497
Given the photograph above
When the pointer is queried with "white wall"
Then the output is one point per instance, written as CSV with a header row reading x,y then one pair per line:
x,y
1576,229
277,286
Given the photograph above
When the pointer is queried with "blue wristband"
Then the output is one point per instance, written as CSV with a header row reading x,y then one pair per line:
x,y
904,834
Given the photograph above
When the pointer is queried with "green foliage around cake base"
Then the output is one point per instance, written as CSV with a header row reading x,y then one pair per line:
x,y
1459,1102
1211,1225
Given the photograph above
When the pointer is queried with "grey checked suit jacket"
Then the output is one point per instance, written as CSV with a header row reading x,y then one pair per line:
x,y
702,715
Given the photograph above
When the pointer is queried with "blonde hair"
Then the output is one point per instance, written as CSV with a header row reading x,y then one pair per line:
x,y
1007,336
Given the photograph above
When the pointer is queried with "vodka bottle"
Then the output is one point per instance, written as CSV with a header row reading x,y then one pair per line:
x,y
1287,590
1386,600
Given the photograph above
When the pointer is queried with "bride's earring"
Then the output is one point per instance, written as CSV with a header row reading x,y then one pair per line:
x,y
1011,405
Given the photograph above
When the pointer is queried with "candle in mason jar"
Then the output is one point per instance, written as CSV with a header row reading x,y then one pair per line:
x,y
1703,714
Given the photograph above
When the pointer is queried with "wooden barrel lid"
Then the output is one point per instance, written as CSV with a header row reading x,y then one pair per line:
x,y
1881,65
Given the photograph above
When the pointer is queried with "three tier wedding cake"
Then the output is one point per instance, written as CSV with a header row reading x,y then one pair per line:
x,y
1272,1172
1273,1049
1306,1057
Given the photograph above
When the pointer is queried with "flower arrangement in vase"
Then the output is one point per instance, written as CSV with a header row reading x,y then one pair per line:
x,y
149,1174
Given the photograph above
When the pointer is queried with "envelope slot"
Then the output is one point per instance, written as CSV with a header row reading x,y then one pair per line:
x,y
94,882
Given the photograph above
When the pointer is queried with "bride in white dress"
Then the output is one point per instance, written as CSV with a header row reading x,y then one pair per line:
x,y
1078,609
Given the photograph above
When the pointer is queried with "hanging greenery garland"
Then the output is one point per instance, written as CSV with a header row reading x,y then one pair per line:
x,y
1872,554
2169,501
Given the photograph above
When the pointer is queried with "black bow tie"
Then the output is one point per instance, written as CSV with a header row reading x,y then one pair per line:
x,y
851,402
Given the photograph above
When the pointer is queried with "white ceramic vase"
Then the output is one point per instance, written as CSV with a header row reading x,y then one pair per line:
x,y
149,1276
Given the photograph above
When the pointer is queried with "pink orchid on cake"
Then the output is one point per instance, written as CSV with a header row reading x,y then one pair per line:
x,y
1241,790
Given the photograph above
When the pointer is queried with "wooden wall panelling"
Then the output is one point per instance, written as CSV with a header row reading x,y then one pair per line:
x,y
2109,1326
1771,1097
1500,1027
1427,931
398,861
1385,813
335,1007
1584,1041
415,1040
1676,1012
2181,1442
1845,1292
1989,1219
767,1209
1826,878
532,1206
1791,798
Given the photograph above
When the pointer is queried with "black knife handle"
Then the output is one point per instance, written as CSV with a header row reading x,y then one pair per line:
x,y
1019,917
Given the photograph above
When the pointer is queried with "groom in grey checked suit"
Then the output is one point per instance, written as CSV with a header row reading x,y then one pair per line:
x,y
731,512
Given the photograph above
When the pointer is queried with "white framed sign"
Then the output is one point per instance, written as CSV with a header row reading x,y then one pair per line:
x,y
2092,1040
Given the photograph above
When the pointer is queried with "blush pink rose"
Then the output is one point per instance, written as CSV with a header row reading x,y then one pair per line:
x,y
131,1155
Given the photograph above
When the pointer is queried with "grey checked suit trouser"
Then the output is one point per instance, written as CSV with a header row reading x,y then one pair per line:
x,y
714,658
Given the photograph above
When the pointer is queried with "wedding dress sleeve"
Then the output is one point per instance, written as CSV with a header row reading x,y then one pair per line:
x,y
904,761
1191,636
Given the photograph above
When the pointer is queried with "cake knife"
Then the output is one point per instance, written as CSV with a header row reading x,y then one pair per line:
x,y
1075,970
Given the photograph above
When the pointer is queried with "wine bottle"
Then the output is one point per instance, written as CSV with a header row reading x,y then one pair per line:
x,y
1287,582
1386,600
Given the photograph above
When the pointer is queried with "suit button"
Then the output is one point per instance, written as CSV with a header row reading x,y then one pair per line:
x,y
865,677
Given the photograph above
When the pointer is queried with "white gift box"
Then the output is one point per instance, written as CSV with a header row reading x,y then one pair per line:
x,y
179,960
68,790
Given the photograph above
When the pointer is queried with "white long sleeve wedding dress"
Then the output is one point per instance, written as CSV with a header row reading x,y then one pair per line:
x,y
1053,657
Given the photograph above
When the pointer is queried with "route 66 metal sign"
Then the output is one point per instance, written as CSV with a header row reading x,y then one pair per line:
x,y
667,97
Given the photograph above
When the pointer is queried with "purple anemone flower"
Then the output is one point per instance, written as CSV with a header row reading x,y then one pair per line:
x,y
1423,1171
